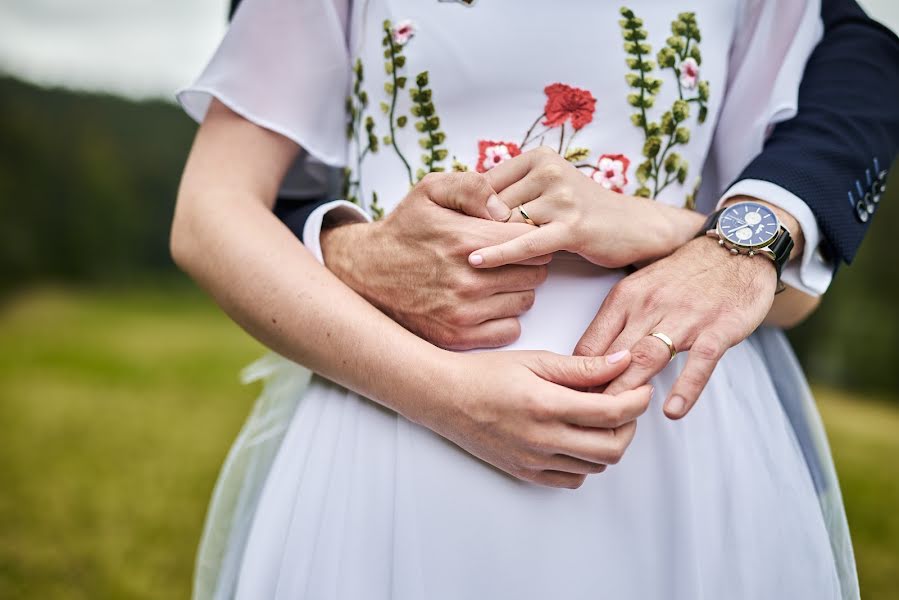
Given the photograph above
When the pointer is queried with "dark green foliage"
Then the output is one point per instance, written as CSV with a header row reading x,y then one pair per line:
x,y
87,183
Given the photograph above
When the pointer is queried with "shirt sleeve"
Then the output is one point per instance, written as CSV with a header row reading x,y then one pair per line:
x,y
812,273
346,211
284,65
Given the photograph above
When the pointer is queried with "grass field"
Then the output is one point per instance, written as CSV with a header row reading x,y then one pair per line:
x,y
117,410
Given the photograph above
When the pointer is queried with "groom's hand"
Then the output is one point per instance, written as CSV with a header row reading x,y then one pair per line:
x,y
702,297
413,264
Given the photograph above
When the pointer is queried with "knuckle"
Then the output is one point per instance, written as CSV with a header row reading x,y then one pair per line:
x,y
540,273
471,183
587,347
530,245
642,356
550,172
452,338
461,316
429,182
691,381
653,300
527,299
616,452
586,366
542,410
614,413
544,152
620,293
708,347
576,481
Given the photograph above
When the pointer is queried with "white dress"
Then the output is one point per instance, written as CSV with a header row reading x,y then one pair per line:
x,y
329,495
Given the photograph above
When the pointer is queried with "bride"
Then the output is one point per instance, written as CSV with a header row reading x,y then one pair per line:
x,y
402,470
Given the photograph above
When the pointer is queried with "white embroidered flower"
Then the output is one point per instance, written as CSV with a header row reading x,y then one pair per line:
x,y
403,32
611,172
689,73
494,155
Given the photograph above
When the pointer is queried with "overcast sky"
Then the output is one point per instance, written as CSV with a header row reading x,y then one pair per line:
x,y
139,48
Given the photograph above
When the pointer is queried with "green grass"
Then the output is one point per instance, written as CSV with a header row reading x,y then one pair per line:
x,y
118,407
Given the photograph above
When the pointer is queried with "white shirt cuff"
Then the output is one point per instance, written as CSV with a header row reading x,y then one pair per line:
x,y
312,230
811,274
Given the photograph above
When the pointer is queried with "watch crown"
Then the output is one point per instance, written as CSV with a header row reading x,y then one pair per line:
x,y
720,242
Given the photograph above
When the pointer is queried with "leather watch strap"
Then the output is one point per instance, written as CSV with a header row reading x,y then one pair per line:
x,y
781,247
710,223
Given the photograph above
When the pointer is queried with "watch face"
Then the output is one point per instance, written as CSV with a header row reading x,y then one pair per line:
x,y
748,224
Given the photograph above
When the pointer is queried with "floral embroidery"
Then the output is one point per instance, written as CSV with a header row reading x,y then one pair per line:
x,y
492,153
427,123
611,172
564,103
403,32
689,73
662,166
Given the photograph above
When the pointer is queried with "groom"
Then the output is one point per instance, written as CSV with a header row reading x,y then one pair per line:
x,y
823,172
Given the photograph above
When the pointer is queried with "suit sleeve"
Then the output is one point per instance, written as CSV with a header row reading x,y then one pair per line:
x,y
834,154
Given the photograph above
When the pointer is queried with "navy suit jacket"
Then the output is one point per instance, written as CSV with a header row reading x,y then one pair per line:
x,y
834,154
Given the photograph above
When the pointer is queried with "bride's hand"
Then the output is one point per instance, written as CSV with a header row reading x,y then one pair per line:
x,y
575,214
518,412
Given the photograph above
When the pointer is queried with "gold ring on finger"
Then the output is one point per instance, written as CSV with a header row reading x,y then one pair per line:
x,y
667,341
526,217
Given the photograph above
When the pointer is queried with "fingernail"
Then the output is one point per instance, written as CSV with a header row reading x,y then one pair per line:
x,y
675,405
614,358
475,260
497,209
652,392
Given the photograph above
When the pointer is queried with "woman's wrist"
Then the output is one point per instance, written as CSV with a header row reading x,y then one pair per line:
x,y
665,228
426,388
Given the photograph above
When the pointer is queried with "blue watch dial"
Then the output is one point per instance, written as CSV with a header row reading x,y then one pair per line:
x,y
748,224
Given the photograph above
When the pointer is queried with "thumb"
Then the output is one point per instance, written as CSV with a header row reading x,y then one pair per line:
x,y
579,371
468,193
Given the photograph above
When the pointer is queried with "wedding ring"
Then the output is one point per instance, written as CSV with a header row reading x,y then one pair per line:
x,y
524,215
667,341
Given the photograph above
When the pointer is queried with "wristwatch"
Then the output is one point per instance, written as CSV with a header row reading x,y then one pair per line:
x,y
751,228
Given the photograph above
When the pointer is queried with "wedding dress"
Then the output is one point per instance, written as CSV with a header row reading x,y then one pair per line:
x,y
329,495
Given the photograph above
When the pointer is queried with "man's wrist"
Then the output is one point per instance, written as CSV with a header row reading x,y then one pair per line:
x,y
736,267
337,245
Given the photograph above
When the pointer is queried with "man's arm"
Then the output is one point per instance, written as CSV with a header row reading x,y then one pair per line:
x,y
828,164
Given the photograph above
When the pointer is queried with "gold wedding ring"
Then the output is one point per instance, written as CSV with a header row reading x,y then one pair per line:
x,y
524,215
667,341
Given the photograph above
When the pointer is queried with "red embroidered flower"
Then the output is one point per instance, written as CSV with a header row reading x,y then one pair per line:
x,y
611,171
564,102
492,153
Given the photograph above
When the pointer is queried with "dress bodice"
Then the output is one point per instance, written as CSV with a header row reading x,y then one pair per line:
x,y
629,96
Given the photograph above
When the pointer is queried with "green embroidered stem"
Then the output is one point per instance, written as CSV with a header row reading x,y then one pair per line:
x,y
647,86
357,103
662,166
395,61
429,124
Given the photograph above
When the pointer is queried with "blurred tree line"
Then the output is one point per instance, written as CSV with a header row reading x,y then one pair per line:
x,y
88,183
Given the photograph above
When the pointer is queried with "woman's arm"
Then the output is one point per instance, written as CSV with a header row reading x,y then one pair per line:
x,y
515,410
225,236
